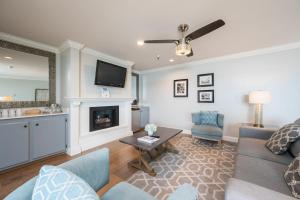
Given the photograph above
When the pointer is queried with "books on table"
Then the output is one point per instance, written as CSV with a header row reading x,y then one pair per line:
x,y
147,139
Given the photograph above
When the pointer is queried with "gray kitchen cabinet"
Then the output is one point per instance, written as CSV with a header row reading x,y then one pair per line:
x,y
14,144
140,117
27,139
48,136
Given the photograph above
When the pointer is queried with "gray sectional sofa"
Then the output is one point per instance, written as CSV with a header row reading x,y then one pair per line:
x,y
258,172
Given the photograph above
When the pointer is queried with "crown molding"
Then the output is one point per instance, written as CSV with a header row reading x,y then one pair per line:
x,y
26,42
136,71
70,44
257,52
108,58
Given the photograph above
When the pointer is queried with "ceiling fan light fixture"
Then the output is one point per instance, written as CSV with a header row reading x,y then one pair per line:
x,y
183,49
140,42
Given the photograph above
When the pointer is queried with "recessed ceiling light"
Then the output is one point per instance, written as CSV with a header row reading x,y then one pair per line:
x,y
10,67
171,60
140,42
8,57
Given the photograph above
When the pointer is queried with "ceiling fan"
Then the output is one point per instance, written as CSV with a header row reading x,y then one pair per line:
x,y
183,45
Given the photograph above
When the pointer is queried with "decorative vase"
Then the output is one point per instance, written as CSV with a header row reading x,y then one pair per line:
x,y
151,129
150,132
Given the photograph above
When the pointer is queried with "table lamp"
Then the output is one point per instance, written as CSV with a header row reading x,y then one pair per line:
x,y
259,98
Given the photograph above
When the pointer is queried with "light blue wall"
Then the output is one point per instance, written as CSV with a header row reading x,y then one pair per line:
x,y
20,89
234,79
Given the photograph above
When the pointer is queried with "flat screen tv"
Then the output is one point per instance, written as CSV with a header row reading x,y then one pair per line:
x,y
108,74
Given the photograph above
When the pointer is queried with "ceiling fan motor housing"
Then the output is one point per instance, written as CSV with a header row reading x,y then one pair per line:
x,y
183,48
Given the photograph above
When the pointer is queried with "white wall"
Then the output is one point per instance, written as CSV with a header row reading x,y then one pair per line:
x,y
78,68
234,79
88,70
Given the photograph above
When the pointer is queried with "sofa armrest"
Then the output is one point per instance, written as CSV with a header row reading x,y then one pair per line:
x,y
92,167
237,189
253,132
186,192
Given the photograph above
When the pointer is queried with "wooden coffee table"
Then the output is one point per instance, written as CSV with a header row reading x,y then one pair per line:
x,y
148,152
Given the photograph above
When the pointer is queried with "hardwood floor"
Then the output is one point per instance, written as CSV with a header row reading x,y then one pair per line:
x,y
120,154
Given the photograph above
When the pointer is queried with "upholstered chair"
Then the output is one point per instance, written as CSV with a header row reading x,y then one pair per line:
x,y
208,125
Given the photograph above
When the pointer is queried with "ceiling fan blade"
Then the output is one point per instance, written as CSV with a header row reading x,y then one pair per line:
x,y
205,29
160,41
190,54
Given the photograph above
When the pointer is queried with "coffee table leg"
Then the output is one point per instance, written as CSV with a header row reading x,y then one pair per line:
x,y
171,148
142,164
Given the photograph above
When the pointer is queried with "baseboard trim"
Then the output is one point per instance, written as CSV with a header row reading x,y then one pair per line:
x,y
231,139
225,138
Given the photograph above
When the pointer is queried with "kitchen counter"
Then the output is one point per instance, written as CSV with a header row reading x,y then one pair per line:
x,y
31,116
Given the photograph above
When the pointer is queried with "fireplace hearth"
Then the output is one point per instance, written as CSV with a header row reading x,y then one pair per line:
x,y
103,117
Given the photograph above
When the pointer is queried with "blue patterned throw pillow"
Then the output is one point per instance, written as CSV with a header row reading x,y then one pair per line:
x,y
54,183
209,118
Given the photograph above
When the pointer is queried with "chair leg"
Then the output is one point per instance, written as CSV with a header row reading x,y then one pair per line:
x,y
220,143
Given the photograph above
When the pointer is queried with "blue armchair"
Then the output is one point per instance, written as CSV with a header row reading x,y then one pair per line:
x,y
208,125
94,169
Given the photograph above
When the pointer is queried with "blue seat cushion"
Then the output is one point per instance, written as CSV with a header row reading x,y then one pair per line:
x,y
206,130
186,191
56,183
126,191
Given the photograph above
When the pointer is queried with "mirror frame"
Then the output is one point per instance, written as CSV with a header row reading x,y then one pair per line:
x,y
52,76
137,86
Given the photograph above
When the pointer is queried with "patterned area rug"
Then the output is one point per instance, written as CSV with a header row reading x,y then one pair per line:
x,y
204,164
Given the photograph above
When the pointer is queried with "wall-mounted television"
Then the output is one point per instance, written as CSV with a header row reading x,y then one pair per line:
x,y
108,74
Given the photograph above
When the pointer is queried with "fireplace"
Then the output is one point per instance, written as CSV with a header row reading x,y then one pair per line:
x,y
103,117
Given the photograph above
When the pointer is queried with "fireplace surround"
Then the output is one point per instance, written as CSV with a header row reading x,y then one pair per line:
x,y
103,117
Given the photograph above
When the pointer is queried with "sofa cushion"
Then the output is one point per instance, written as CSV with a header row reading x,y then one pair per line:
x,y
206,130
126,191
292,177
261,172
57,183
237,189
295,148
256,148
281,139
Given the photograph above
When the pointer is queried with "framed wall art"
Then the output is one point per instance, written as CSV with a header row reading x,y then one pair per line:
x,y
181,88
206,96
205,80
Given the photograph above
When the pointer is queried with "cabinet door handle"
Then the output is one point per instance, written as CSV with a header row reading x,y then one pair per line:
x,y
25,126
37,124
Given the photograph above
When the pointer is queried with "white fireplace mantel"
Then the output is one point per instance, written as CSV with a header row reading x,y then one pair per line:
x,y
79,100
80,137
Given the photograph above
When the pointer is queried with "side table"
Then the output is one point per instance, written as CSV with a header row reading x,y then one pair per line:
x,y
248,130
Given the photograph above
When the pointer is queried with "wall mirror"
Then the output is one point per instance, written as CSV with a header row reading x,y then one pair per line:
x,y
27,76
135,88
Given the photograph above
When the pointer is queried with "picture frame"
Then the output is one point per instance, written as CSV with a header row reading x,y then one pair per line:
x,y
205,80
206,96
181,88
41,95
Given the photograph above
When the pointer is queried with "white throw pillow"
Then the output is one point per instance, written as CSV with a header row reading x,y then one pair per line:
x,y
54,183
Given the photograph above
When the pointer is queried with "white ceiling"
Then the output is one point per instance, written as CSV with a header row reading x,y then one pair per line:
x,y
114,26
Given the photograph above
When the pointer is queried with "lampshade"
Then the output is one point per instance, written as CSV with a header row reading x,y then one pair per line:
x,y
259,97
